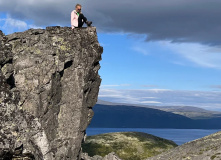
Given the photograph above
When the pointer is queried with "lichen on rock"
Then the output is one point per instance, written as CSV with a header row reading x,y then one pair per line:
x,y
49,84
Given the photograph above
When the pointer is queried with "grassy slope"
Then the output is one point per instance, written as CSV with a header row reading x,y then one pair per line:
x,y
206,148
127,145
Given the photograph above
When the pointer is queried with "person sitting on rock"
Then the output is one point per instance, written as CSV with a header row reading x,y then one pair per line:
x,y
78,19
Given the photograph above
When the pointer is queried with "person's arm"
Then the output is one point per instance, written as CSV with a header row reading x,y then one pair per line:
x,y
72,19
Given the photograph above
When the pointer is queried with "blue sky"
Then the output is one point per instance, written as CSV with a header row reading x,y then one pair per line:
x,y
162,52
136,64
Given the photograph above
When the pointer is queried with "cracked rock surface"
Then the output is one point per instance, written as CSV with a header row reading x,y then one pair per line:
x,y
49,83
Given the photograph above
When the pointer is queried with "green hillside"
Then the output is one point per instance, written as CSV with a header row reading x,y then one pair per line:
x,y
127,145
121,116
206,148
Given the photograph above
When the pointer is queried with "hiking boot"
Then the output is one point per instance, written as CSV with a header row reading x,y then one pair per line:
x,y
88,23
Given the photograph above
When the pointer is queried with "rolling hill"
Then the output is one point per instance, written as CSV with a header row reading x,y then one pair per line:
x,y
125,116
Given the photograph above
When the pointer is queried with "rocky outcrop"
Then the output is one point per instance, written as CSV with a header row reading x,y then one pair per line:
x,y
110,156
206,148
49,83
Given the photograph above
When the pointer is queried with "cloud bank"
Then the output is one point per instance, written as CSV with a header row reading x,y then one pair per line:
x,y
209,100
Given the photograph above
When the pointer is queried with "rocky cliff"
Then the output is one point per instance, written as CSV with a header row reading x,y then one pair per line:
x,y
49,83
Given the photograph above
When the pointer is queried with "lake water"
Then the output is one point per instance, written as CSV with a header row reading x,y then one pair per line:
x,y
179,136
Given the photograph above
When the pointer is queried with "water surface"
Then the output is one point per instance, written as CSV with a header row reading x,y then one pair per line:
x,y
179,136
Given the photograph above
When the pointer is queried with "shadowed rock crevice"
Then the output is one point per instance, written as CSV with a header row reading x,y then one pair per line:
x,y
11,81
49,83
96,64
53,107
55,93
68,64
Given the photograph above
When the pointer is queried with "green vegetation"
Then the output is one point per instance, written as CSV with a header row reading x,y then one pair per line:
x,y
127,145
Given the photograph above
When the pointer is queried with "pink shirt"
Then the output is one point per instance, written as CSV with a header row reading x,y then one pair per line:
x,y
74,19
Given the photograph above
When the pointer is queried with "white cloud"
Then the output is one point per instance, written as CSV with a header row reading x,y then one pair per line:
x,y
118,96
179,63
150,102
159,90
110,85
140,45
204,99
216,86
186,54
140,50
149,97
115,85
11,25
149,86
34,26
199,54
104,44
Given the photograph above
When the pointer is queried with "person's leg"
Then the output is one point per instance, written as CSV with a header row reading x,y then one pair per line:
x,y
81,20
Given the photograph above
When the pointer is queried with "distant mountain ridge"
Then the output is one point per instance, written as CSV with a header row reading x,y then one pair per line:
x,y
110,115
187,111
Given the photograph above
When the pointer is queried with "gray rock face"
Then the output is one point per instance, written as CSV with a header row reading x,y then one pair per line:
x,y
49,83
206,148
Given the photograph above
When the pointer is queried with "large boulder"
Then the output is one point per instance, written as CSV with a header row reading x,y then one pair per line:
x,y
49,83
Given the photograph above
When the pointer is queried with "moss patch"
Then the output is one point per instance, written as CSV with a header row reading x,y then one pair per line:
x,y
127,145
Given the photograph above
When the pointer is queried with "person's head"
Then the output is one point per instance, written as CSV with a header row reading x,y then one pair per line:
x,y
78,8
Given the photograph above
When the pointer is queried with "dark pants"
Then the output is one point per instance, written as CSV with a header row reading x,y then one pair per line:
x,y
81,20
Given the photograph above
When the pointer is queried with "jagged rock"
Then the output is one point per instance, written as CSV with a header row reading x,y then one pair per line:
x,y
110,156
206,148
49,83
